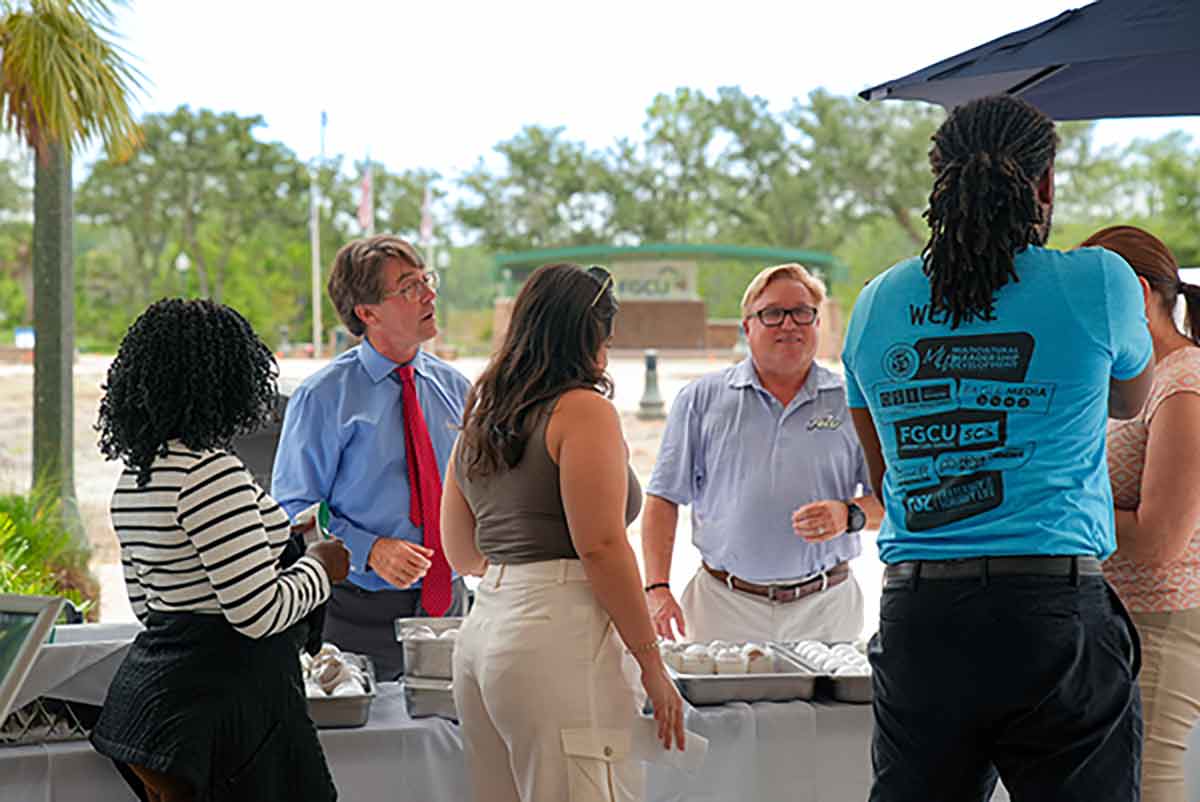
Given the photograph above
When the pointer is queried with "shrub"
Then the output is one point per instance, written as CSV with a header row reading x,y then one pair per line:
x,y
39,555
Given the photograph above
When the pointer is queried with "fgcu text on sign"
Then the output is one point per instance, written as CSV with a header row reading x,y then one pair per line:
x,y
656,280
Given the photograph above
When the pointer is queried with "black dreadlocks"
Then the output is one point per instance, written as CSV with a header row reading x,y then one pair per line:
x,y
193,371
986,158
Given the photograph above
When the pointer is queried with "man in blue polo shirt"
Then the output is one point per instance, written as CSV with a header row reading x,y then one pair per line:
x,y
981,378
352,439
765,454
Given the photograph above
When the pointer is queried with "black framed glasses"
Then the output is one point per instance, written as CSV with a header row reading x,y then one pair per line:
x,y
772,316
412,289
604,277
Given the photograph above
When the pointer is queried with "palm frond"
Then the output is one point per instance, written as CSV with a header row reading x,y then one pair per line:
x,y
62,78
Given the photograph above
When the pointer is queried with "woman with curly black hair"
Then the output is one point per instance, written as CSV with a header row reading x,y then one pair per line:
x,y
209,703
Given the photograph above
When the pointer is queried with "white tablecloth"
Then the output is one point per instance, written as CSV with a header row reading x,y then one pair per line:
x,y
79,664
760,752
394,757
763,752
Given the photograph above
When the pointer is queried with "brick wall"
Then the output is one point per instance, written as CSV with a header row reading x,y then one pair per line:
x,y
661,324
683,325
640,324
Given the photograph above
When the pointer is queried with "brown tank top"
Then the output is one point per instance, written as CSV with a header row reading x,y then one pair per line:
x,y
519,516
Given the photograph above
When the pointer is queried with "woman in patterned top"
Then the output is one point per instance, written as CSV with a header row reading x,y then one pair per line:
x,y
1154,461
209,703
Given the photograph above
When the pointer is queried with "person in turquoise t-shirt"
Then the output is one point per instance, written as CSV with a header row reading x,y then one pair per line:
x,y
980,377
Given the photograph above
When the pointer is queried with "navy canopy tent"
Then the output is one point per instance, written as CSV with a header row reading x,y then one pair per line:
x,y
1113,58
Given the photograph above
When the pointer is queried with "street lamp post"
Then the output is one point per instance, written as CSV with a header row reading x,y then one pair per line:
x,y
442,262
182,264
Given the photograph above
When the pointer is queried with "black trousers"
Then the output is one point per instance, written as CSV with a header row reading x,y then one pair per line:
x,y
363,622
1028,678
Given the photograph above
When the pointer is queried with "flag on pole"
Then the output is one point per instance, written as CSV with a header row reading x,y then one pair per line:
x,y
366,203
426,219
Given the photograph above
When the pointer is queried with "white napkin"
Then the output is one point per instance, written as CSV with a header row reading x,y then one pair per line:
x,y
646,747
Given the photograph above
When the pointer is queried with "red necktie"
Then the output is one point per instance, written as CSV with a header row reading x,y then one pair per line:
x,y
424,496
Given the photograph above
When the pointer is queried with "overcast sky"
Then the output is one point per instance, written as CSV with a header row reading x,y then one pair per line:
x,y
437,84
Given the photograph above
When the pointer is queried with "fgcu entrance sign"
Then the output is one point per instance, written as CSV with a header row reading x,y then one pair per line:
x,y
658,286
662,281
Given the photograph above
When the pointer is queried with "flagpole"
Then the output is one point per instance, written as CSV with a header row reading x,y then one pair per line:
x,y
369,196
314,225
427,245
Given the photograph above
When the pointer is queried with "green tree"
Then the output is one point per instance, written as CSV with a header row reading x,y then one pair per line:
x,y
204,187
399,198
16,272
228,185
766,193
16,256
549,192
136,199
1170,168
469,281
1091,182
870,159
16,195
62,82
675,175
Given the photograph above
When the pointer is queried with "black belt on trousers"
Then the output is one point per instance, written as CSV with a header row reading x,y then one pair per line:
x,y
983,567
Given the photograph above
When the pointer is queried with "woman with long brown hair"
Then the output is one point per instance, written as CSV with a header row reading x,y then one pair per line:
x,y
1154,460
537,498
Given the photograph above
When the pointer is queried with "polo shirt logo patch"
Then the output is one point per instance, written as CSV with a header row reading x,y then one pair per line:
x,y
826,423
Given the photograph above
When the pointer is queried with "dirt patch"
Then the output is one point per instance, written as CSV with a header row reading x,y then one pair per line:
x,y
94,477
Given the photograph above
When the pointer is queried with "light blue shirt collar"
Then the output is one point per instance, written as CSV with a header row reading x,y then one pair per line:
x,y
379,367
819,378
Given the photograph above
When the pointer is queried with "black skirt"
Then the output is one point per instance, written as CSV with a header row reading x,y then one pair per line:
x,y
197,700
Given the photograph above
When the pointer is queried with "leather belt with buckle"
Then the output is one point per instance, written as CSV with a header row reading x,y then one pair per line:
x,y
784,593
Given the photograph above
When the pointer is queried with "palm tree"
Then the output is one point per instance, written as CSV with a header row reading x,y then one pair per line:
x,y
63,82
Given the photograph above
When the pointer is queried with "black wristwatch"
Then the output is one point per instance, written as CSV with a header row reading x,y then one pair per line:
x,y
856,519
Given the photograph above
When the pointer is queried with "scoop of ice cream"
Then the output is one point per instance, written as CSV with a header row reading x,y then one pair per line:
x,y
731,661
759,659
417,632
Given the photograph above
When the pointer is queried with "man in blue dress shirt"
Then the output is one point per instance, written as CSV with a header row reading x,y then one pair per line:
x,y
767,457
343,442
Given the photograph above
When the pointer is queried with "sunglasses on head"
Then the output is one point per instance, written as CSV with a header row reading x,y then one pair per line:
x,y
604,277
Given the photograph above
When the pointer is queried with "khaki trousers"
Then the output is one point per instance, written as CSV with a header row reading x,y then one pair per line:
x,y
545,690
1170,684
711,611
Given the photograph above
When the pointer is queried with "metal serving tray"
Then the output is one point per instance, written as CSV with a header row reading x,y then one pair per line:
x,y
856,690
428,658
335,712
790,680
853,689
429,697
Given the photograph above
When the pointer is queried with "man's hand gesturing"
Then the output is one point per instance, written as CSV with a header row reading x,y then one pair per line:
x,y
399,562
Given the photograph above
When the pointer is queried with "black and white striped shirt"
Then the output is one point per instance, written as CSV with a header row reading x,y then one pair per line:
x,y
202,537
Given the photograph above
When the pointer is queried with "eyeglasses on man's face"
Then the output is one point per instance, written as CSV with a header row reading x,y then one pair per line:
x,y
772,316
413,288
